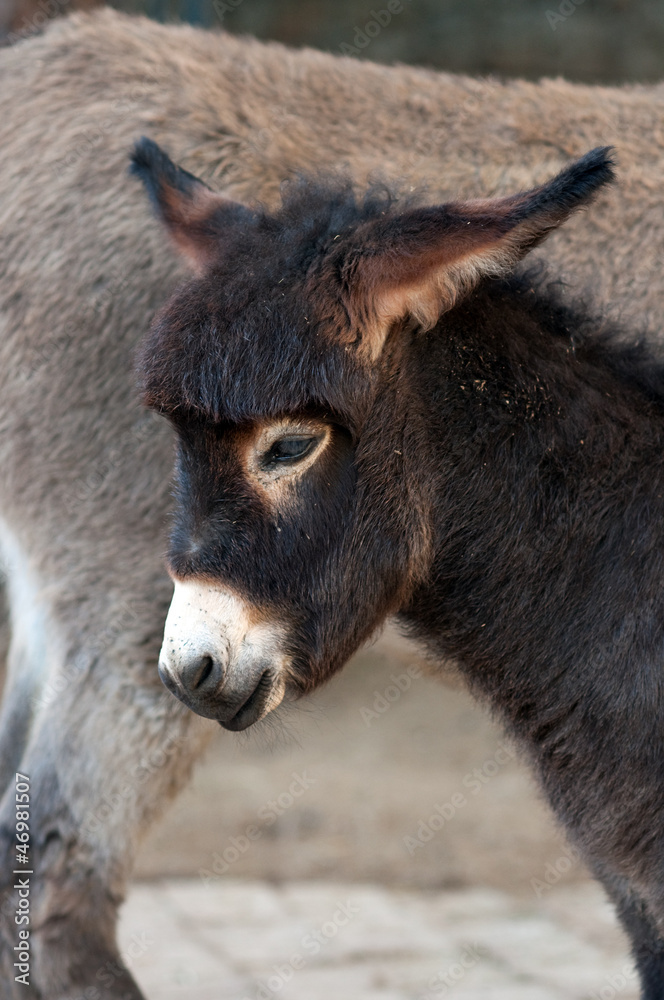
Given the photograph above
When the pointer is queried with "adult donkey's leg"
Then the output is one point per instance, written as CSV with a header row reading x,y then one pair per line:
x,y
25,655
106,744
108,747
84,499
15,711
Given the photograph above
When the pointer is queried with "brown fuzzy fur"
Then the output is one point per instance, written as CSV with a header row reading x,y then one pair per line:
x,y
84,492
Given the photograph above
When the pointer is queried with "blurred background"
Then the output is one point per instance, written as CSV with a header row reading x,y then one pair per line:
x,y
387,778
594,41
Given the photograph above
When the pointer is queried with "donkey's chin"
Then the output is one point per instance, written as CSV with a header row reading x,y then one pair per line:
x,y
268,695
232,710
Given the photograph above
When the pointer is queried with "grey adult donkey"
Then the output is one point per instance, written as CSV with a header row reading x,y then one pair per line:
x,y
85,485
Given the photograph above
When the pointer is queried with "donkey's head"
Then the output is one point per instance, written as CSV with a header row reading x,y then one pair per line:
x,y
303,500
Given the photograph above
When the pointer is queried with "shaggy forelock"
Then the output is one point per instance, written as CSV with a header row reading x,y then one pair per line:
x,y
315,211
244,340
329,204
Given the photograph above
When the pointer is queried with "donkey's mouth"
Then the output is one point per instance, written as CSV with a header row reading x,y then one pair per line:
x,y
267,694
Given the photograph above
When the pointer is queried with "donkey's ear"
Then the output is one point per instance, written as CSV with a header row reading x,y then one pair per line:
x,y
195,216
421,262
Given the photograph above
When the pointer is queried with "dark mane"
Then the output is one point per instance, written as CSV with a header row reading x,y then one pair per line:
x,y
324,205
631,351
315,210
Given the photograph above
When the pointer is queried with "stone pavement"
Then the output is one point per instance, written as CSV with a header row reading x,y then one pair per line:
x,y
254,940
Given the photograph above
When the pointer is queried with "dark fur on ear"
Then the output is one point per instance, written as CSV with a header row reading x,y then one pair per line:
x,y
576,184
554,201
196,217
158,173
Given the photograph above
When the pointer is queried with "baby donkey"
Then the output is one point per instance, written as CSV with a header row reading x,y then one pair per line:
x,y
377,417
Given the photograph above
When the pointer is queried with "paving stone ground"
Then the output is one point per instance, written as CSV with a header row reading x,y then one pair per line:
x,y
253,940
384,818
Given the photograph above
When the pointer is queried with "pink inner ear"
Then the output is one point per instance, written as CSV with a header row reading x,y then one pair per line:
x,y
422,262
424,278
192,221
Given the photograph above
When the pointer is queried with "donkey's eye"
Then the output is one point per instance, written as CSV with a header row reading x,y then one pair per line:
x,y
285,449
288,450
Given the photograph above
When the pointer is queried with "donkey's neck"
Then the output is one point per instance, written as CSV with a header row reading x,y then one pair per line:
x,y
547,466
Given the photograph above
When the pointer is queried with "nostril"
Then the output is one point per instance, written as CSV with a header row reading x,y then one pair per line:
x,y
205,669
201,675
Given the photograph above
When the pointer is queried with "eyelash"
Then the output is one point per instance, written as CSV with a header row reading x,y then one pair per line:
x,y
273,456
